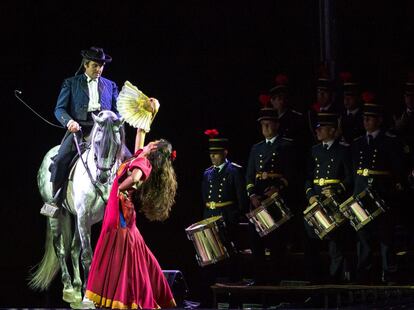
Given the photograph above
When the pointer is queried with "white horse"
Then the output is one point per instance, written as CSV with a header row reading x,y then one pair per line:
x,y
85,198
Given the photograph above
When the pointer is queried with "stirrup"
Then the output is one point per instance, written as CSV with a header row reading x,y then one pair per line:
x,y
51,208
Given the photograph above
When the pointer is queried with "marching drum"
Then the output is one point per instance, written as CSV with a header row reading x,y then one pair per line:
x,y
270,215
363,208
324,216
210,240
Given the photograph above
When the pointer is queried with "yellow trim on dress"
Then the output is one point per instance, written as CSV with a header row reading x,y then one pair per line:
x,y
109,303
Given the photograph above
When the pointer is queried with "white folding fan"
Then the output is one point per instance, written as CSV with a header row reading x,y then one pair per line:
x,y
136,108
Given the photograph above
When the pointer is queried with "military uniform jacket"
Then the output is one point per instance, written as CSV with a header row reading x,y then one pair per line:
x,y
379,164
227,185
352,125
324,166
404,128
73,99
292,125
265,160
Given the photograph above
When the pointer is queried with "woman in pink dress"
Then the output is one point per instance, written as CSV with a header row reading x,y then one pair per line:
x,y
124,273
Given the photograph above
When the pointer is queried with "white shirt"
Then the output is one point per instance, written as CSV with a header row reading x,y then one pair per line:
x,y
271,140
221,166
325,108
93,104
329,143
353,112
374,134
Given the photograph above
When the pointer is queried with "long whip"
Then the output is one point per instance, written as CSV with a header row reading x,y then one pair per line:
x,y
18,93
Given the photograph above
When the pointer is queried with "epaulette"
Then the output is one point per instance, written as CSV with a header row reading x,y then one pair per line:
x,y
209,168
391,135
358,138
260,143
287,139
343,143
297,113
236,165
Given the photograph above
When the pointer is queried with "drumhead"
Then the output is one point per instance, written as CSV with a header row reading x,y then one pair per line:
x,y
201,225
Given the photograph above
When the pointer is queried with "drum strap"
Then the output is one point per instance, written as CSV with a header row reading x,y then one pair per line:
x,y
213,205
368,172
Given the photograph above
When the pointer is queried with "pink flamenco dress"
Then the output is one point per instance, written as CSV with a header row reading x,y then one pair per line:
x,y
124,273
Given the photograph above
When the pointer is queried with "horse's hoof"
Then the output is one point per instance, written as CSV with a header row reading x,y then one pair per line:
x,y
69,295
82,305
78,296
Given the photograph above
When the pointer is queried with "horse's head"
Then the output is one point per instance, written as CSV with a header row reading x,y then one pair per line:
x,y
107,140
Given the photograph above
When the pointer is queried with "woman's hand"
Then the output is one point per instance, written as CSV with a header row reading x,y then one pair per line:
x,y
149,148
153,103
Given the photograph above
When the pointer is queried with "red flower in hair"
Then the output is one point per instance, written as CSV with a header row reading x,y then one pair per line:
x,y
211,133
264,100
368,96
173,155
281,79
345,76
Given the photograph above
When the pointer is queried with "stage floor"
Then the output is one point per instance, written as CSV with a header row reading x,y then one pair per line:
x,y
311,296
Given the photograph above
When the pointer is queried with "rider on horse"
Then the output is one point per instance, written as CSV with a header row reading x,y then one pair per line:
x,y
81,96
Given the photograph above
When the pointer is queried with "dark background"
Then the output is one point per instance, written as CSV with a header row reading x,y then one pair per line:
x,y
206,62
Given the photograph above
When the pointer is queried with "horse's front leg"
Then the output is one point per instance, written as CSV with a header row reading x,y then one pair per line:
x,y
84,227
75,253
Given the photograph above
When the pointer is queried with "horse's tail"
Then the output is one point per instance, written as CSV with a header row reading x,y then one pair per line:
x,y
43,273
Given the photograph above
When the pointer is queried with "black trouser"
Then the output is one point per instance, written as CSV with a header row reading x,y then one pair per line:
x,y
61,162
339,264
270,252
379,230
67,150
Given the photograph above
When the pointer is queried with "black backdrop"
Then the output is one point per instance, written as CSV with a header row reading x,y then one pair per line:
x,y
206,62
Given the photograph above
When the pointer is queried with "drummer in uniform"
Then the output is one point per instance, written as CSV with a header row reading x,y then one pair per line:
x,y
223,185
271,171
404,123
224,194
292,122
351,120
377,162
329,174
325,101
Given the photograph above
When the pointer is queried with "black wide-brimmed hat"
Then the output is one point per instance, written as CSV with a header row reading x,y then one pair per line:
x,y
216,144
96,54
371,108
327,119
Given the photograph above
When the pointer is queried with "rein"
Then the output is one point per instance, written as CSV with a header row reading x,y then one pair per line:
x,y
94,183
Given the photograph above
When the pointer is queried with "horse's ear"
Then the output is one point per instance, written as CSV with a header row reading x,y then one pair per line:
x,y
120,121
97,119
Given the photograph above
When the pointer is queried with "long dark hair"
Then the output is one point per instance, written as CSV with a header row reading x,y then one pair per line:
x,y
156,195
